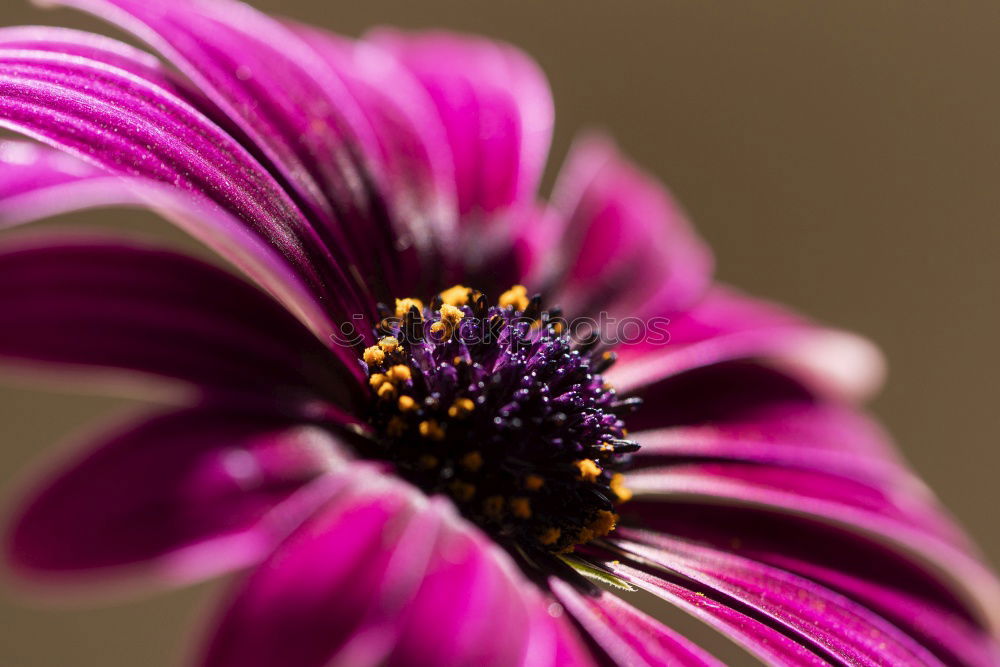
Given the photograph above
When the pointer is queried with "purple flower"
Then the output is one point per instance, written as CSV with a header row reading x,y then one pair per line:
x,y
422,461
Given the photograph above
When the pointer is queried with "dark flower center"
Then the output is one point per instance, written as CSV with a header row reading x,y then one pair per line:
x,y
497,407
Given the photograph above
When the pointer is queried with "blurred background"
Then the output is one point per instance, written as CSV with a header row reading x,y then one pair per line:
x,y
839,157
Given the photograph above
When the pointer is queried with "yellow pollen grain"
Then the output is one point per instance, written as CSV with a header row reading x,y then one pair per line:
x,y
373,355
427,462
533,482
403,306
439,329
462,491
461,408
493,507
455,296
607,448
549,536
589,471
516,296
451,315
389,344
618,487
396,427
378,379
386,391
603,523
407,404
431,430
472,461
399,373
520,507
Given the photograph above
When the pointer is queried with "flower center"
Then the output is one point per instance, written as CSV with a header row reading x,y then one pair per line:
x,y
497,407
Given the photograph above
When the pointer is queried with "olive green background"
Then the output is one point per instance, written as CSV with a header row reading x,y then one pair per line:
x,y
840,156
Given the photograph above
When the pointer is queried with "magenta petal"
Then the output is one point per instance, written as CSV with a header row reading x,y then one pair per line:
x,y
822,617
886,580
413,162
133,127
625,634
906,522
727,327
842,451
187,494
627,247
496,108
120,305
385,575
291,106
27,168
37,182
763,640
802,425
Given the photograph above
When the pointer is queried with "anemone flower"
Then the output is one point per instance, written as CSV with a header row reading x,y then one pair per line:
x,y
385,423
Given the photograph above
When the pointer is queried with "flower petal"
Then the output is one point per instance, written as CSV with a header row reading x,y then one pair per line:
x,y
496,108
132,127
118,305
186,494
797,434
886,580
821,620
625,634
291,106
414,161
726,326
628,248
384,575
903,520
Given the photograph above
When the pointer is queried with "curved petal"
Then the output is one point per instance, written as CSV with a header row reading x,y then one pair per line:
x,y
385,575
186,494
415,164
101,49
905,520
37,182
625,634
93,303
820,620
806,425
628,250
132,127
805,606
496,108
291,105
760,639
727,326
885,580
27,168
797,434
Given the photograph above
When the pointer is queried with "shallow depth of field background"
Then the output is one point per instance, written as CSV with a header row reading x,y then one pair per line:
x,y
841,157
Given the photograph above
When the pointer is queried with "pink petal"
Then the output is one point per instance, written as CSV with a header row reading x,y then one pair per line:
x,y
187,494
385,575
133,127
625,634
414,162
496,108
627,249
289,105
820,437
811,612
728,327
93,303
886,580
904,520
37,182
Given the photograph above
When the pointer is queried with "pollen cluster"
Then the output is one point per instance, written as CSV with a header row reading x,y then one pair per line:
x,y
494,405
